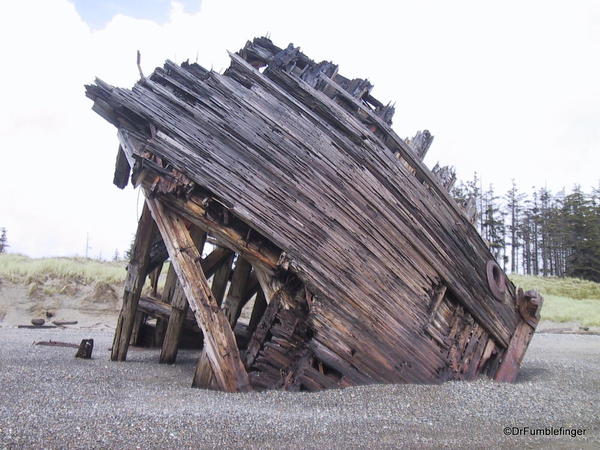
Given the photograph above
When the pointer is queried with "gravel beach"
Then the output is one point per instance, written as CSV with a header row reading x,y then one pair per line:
x,y
50,399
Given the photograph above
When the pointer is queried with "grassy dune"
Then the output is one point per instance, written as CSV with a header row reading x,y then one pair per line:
x,y
22,269
566,299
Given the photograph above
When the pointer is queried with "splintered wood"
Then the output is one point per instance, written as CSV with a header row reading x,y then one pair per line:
x,y
357,264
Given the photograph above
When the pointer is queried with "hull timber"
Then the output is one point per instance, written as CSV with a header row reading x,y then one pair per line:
x,y
363,268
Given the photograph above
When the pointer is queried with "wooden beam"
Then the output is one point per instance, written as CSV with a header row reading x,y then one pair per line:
x,y
221,278
140,318
179,305
262,253
239,281
236,237
271,290
168,293
203,376
136,276
260,305
529,304
219,340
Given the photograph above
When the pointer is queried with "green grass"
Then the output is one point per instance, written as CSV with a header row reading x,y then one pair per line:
x,y
563,309
562,287
22,269
565,299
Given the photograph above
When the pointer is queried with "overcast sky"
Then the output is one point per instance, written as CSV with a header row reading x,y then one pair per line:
x,y
509,89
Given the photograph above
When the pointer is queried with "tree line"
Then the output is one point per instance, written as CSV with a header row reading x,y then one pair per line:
x,y
3,240
538,232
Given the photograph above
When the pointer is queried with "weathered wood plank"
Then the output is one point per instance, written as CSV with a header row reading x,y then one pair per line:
x,y
168,353
297,170
203,375
219,340
134,282
221,278
260,305
239,282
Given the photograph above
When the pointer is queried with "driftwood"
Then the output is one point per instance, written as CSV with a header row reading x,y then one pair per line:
x,y
369,271
85,349
56,344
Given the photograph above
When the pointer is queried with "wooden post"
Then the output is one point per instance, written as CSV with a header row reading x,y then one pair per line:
x,y
276,296
136,275
239,281
168,294
219,340
140,318
260,305
179,304
203,375
240,292
529,304
220,280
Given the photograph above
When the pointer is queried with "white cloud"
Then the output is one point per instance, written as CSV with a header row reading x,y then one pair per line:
x,y
509,90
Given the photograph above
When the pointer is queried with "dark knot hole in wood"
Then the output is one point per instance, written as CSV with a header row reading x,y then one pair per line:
x,y
496,280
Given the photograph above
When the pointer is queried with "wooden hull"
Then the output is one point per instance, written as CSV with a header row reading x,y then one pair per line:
x,y
370,271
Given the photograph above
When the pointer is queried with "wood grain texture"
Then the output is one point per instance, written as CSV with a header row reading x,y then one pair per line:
x,y
137,270
297,170
219,340
168,352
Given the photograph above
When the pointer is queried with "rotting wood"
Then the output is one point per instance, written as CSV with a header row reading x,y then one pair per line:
x,y
219,340
85,349
179,307
52,343
62,323
134,282
508,370
239,283
296,169
203,375
260,305
140,319
221,278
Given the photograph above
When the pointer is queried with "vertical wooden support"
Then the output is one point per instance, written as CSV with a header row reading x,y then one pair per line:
x,y
529,304
170,285
276,296
220,280
154,276
136,275
179,305
140,318
203,375
235,296
260,305
160,331
219,340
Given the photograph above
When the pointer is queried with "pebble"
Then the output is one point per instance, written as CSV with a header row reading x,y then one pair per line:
x,y
49,399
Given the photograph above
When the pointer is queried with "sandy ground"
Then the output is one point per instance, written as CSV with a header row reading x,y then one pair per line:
x,y
50,399
91,306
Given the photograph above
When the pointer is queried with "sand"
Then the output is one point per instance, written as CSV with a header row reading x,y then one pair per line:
x,y
50,399
94,306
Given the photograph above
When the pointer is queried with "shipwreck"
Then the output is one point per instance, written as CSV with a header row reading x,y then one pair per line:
x,y
357,263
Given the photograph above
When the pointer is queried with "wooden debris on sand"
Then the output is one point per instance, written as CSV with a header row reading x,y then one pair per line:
x,y
359,265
